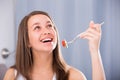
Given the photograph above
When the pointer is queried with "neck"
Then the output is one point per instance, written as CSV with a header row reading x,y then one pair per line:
x,y
42,62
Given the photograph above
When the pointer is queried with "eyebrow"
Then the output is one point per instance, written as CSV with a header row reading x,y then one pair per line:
x,y
37,23
48,22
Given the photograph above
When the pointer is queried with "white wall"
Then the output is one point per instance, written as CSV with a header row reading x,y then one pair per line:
x,y
7,29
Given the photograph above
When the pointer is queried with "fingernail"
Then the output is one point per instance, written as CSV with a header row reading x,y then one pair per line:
x,y
91,21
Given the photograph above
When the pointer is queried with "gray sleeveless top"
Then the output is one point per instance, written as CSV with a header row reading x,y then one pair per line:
x,y
20,77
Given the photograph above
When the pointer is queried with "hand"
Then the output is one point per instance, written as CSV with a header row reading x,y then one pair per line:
x,y
93,35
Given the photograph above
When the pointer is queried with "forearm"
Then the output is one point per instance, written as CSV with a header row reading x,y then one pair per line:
x,y
93,35
97,66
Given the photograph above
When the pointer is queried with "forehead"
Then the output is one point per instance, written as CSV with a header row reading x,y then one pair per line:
x,y
38,18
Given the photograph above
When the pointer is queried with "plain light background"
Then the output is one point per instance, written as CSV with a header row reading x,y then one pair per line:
x,y
71,18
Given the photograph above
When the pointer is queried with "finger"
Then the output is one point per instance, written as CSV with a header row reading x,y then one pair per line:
x,y
93,31
91,24
88,37
90,33
85,34
98,27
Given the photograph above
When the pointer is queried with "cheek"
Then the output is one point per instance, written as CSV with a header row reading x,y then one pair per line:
x,y
32,39
56,39
55,34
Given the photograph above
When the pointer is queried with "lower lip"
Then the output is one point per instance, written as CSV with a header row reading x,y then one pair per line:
x,y
48,43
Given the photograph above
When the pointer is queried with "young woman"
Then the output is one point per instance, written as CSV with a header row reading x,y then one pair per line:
x,y
38,54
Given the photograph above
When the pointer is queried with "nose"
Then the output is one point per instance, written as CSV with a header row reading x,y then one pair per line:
x,y
45,31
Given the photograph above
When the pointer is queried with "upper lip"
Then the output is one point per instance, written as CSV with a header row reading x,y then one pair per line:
x,y
46,38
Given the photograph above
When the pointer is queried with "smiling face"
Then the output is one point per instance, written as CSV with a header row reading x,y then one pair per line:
x,y
41,33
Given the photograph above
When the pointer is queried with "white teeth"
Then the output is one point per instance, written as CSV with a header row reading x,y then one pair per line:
x,y
48,39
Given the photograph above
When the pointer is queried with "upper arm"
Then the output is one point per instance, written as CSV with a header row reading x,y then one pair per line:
x,y
76,74
10,74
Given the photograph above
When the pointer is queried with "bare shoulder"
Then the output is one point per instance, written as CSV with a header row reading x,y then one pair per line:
x,y
10,74
76,74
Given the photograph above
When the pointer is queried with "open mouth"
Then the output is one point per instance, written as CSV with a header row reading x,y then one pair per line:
x,y
47,40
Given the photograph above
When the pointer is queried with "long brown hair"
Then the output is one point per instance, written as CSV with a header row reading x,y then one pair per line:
x,y
24,58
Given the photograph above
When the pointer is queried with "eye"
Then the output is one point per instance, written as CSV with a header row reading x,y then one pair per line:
x,y
49,26
36,27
